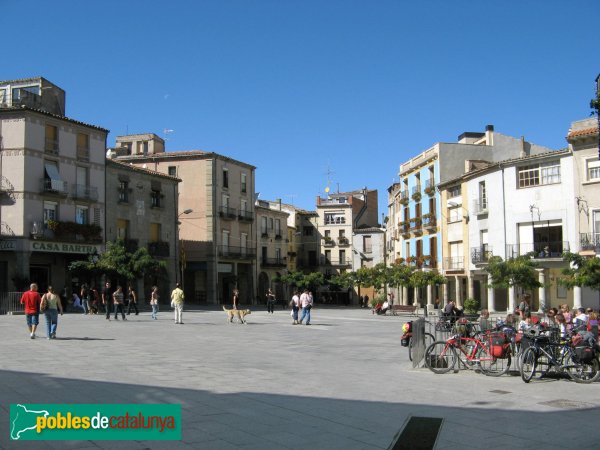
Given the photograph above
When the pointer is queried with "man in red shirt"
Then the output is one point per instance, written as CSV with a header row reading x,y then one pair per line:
x,y
31,299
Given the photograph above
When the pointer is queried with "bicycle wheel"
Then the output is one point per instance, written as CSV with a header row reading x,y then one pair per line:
x,y
490,365
581,372
440,357
528,364
429,339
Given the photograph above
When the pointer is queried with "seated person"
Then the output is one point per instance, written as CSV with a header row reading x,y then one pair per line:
x,y
451,312
485,323
581,320
525,323
384,308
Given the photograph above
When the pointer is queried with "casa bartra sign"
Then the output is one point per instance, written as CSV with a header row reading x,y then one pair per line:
x,y
64,247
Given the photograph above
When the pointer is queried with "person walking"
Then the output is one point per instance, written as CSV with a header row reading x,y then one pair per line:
x,y
85,295
154,302
132,300
51,306
306,301
295,302
32,300
235,299
270,301
177,299
118,301
107,298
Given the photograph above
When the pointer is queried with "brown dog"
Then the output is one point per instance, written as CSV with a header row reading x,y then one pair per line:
x,y
239,313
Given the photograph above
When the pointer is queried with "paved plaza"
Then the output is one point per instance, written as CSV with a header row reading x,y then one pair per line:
x,y
342,383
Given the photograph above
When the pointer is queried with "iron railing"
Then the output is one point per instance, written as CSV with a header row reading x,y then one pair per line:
x,y
227,212
589,241
50,186
159,248
453,263
273,262
83,192
231,252
10,302
245,216
539,250
481,255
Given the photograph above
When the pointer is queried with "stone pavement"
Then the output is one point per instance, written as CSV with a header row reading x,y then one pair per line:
x,y
342,383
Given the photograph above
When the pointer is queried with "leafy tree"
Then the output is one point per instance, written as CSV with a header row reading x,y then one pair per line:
x,y
421,279
517,272
400,275
301,280
583,272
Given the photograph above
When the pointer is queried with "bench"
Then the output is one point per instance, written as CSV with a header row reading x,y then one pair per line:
x,y
398,309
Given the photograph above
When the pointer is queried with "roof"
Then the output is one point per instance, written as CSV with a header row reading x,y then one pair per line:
x,y
186,154
141,170
368,230
582,133
505,162
14,109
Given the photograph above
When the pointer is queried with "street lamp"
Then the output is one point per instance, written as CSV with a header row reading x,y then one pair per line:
x,y
180,251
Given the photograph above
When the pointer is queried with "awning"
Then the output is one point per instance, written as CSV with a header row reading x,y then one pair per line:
x,y
55,181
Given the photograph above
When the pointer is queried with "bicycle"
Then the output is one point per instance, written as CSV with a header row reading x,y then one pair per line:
x,y
543,355
441,356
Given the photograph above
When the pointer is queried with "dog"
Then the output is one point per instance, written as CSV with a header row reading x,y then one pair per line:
x,y
239,313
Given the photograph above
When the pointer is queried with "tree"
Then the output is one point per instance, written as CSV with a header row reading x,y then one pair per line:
x,y
117,262
514,272
583,272
400,275
420,279
301,280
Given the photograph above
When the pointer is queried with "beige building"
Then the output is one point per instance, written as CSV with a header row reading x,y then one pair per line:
x,y
52,193
217,236
143,213
272,247
583,141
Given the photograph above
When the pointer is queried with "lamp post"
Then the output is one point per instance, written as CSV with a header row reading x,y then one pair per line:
x,y
179,248
384,221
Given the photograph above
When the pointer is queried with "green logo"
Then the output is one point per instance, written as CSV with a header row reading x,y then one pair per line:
x,y
95,422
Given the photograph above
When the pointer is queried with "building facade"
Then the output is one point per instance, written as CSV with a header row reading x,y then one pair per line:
x,y
52,197
218,234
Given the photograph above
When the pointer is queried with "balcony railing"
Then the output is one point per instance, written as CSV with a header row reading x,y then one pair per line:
x,y
429,221
227,213
159,248
328,242
273,262
404,197
231,252
480,206
245,216
430,187
83,153
57,187
481,255
83,192
589,241
343,241
540,250
324,261
416,223
51,146
454,263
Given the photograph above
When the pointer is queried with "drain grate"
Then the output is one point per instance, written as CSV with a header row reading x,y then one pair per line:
x,y
566,404
420,433
499,391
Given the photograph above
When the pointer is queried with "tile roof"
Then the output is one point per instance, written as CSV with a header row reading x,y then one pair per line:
x,y
14,109
182,154
142,170
583,132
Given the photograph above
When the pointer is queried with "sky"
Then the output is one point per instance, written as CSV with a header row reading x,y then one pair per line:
x,y
314,94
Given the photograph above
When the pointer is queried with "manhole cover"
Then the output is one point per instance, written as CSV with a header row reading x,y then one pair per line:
x,y
499,391
568,404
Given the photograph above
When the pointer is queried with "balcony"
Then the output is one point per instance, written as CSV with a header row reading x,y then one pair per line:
x,y
429,221
273,262
589,242
539,250
481,255
343,262
454,264
55,187
66,231
415,224
83,192
51,146
343,241
430,187
83,153
245,216
230,252
404,198
160,249
228,213
416,193
328,242
480,207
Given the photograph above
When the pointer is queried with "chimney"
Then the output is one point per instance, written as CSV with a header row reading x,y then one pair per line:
x,y
522,153
489,134
278,201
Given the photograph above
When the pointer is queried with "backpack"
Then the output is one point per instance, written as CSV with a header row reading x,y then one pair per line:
x,y
499,345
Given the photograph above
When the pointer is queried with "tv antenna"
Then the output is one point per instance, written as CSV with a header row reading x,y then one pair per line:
x,y
328,174
166,132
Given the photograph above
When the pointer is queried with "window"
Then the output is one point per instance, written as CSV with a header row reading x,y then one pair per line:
x,y
81,215
270,223
593,169
50,211
122,229
21,92
539,174
278,254
225,238
172,171
342,255
145,147
225,178
327,235
225,202
335,218
83,146
3,99
263,226
482,196
52,180
123,191
51,145
307,231
154,232
244,243
155,197
243,182
243,207
367,246
454,191
454,214
277,227
328,256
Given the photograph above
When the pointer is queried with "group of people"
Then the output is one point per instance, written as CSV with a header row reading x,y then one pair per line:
x,y
302,300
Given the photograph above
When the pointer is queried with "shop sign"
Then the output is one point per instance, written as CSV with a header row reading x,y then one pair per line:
x,y
8,246
63,247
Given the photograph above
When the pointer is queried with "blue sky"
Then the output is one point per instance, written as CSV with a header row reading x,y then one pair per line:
x,y
297,87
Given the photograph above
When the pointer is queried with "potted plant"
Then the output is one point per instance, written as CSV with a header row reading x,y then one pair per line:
x,y
471,306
